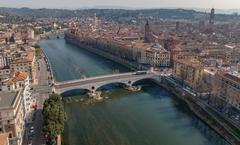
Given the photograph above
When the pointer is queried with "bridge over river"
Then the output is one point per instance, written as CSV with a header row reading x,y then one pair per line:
x,y
93,83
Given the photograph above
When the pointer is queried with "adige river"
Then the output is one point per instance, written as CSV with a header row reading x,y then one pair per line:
x,y
152,116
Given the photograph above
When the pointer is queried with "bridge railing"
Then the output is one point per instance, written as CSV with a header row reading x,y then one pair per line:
x,y
101,83
96,77
109,76
106,76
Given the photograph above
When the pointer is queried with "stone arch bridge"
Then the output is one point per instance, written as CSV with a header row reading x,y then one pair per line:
x,y
93,83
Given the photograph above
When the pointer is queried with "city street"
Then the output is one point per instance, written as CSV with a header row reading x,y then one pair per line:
x,y
41,92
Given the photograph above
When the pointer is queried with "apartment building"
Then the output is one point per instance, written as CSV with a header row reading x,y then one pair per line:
x,y
157,56
12,116
228,87
5,72
21,81
190,71
25,63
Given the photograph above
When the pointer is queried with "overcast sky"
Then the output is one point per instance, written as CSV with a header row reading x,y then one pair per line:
x,y
221,4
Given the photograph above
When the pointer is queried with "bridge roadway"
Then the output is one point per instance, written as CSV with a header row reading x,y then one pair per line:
x,y
94,83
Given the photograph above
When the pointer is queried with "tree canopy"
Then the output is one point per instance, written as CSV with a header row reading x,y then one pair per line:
x,y
53,116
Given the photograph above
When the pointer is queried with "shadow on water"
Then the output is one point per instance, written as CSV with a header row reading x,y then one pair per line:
x,y
148,86
184,110
111,87
85,123
75,92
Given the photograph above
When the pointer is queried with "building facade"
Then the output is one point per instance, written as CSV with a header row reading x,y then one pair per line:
x,y
158,57
228,87
12,116
189,71
19,82
26,63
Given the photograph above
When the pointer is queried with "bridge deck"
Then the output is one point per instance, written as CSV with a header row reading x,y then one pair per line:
x,y
86,81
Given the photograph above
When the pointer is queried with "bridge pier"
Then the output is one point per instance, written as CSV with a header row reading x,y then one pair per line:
x,y
95,95
133,88
92,84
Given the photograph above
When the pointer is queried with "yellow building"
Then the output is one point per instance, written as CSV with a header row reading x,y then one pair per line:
x,y
190,71
228,87
25,64
12,116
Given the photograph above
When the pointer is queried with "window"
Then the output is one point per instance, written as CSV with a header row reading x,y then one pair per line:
x,y
10,135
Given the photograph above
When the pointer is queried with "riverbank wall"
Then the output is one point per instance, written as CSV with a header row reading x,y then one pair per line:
x,y
77,42
49,67
206,114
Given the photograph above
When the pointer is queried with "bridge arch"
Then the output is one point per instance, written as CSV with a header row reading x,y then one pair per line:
x,y
142,81
112,85
96,83
74,92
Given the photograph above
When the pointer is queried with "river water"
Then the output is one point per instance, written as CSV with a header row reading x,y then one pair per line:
x,y
152,116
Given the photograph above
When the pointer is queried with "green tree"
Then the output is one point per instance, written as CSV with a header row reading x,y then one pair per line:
x,y
38,50
53,117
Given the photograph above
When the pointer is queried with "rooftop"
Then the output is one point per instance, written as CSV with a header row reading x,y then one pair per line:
x,y
19,76
3,138
7,99
190,61
233,76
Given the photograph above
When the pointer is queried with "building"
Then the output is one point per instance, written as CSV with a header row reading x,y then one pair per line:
x,y
12,116
190,72
4,139
233,57
228,87
21,81
212,16
157,56
30,34
238,67
177,26
24,63
27,34
5,72
149,36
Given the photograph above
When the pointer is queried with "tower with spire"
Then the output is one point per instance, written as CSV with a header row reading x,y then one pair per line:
x,y
147,31
212,16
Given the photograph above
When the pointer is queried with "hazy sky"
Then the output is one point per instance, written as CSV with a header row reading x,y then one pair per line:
x,y
223,4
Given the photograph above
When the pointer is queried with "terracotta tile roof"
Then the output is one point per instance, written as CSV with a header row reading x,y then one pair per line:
x,y
27,59
20,76
3,138
8,82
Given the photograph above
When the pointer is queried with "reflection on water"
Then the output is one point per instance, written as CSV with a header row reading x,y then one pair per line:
x,y
150,117
70,62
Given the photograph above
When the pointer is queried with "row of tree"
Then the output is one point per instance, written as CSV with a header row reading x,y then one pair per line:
x,y
54,118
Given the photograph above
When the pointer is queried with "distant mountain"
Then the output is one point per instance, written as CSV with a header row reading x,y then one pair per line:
x,y
117,14
220,11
